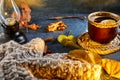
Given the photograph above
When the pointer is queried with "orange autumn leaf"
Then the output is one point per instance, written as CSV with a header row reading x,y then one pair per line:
x,y
33,26
26,17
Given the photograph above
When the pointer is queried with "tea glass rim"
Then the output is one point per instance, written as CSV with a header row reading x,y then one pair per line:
x,y
108,14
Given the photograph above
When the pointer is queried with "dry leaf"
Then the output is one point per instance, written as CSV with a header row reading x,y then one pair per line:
x,y
85,56
26,17
111,67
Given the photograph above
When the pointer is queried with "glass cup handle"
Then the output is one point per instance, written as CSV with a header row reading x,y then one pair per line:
x,y
118,22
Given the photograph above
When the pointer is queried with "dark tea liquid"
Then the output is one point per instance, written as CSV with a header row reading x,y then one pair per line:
x,y
100,34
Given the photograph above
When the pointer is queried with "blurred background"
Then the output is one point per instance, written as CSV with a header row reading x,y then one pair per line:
x,y
74,6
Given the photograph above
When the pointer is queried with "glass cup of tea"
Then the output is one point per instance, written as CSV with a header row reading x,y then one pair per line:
x,y
103,26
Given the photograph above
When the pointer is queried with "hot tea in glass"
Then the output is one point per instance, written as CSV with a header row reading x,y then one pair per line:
x,y
102,26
